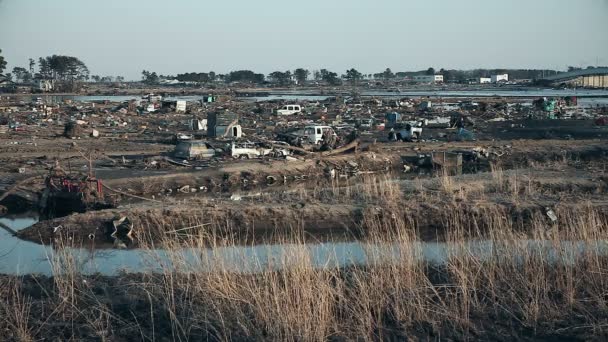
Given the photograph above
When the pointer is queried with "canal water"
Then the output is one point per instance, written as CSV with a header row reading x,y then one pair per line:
x,y
18,257
587,97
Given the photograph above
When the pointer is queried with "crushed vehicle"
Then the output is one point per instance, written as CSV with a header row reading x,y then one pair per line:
x,y
407,131
193,149
65,193
364,123
183,136
250,150
438,122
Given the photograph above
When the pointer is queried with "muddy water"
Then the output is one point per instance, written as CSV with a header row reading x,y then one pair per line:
x,y
19,257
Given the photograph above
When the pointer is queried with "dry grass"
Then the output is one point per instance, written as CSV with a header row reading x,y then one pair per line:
x,y
16,310
519,288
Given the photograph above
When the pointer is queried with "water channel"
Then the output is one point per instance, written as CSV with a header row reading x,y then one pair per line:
x,y
587,97
18,257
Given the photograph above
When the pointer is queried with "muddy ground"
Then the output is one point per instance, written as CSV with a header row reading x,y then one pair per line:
x,y
311,194
316,207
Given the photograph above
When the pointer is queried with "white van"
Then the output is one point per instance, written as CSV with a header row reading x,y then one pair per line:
x,y
289,110
314,134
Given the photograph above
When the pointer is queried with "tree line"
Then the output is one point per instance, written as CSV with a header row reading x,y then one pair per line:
x,y
68,70
56,68
63,72
351,76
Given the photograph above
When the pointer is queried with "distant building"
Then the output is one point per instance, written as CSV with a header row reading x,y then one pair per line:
x,y
587,78
485,80
500,78
428,79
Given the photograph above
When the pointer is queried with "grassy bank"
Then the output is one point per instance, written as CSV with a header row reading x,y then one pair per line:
x,y
516,293
349,207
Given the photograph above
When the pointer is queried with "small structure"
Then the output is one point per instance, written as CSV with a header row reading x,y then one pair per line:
x,y
392,119
223,124
209,99
483,80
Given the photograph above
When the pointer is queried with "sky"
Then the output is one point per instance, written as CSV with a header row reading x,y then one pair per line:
x,y
124,37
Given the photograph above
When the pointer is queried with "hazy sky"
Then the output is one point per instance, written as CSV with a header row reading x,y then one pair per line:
x,y
123,37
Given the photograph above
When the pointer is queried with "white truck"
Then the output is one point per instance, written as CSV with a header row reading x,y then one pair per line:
x,y
289,110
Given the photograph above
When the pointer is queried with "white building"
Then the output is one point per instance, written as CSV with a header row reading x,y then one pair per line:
x,y
485,80
500,78
429,79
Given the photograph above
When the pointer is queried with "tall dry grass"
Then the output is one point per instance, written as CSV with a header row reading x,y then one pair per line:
x,y
492,282
506,276
495,277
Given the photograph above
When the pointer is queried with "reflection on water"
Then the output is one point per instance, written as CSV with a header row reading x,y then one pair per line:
x,y
21,257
